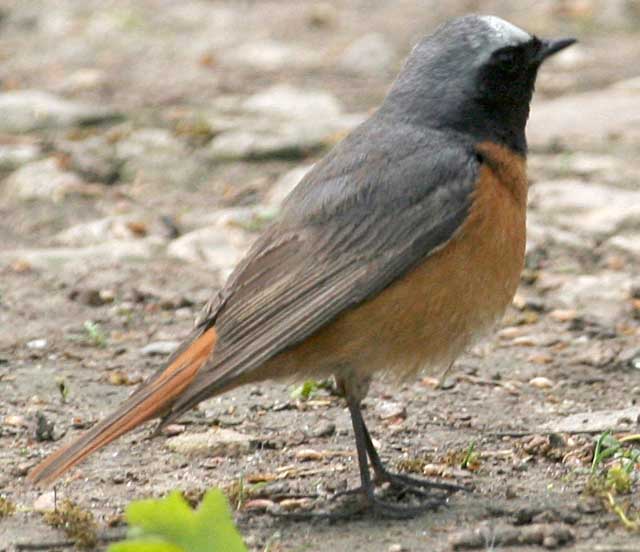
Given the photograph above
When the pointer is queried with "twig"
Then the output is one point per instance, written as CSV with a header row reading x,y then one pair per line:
x,y
527,433
48,545
44,545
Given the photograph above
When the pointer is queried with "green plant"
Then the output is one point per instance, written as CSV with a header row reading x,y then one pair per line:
x,y
471,459
95,334
78,524
608,447
613,472
170,525
309,389
7,508
64,389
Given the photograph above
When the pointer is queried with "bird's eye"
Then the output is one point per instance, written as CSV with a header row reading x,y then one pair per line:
x,y
507,59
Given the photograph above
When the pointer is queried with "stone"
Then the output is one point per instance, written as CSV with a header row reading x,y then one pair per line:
x,y
24,111
15,420
210,246
308,455
286,141
602,296
155,154
371,54
160,348
600,420
543,234
13,156
591,209
628,243
322,429
37,344
562,121
390,410
134,226
61,257
220,442
270,55
46,502
94,158
89,78
292,103
41,180
502,535
540,382
279,122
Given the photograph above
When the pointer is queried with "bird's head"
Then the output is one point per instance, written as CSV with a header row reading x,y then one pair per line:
x,y
474,74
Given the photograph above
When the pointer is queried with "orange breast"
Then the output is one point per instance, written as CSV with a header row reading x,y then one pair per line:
x,y
428,317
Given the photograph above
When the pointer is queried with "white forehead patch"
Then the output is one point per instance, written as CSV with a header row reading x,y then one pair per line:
x,y
508,33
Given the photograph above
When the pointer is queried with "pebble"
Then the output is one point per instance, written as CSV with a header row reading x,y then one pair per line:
x,y
512,332
628,243
306,455
563,315
23,111
57,258
43,180
13,156
173,429
93,158
602,296
210,246
45,502
588,208
279,122
292,504
91,297
155,155
323,429
598,421
270,55
160,348
258,504
561,121
506,535
370,54
15,420
389,410
37,344
221,442
541,382
95,232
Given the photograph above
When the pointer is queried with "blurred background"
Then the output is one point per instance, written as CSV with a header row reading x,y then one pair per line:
x,y
144,144
126,106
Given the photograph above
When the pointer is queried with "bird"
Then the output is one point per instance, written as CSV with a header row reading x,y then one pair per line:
x,y
397,251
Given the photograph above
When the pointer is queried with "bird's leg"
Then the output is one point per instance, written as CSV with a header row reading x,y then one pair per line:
x,y
398,480
365,449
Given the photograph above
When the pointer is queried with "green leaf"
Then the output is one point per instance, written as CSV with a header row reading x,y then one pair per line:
x,y
170,525
305,391
148,545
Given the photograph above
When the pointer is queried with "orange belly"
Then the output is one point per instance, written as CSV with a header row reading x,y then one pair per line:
x,y
428,317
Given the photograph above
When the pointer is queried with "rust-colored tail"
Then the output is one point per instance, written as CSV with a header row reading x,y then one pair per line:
x,y
148,402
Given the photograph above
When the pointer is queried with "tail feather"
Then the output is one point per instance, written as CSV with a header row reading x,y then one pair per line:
x,y
148,402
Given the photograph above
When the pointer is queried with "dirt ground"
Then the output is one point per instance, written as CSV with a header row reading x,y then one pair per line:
x,y
563,367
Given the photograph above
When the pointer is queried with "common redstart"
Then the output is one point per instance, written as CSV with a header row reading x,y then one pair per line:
x,y
402,246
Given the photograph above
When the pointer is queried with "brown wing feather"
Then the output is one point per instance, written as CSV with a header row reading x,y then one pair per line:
x,y
145,404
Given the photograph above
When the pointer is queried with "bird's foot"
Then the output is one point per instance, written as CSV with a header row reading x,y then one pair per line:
x,y
400,482
364,501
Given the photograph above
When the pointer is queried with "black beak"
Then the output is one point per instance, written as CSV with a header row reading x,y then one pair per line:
x,y
550,47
